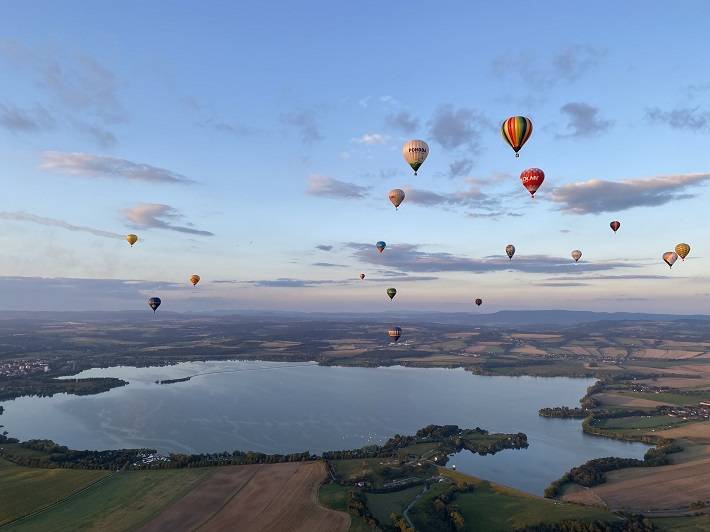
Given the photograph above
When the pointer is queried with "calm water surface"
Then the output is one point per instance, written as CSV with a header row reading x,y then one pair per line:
x,y
288,407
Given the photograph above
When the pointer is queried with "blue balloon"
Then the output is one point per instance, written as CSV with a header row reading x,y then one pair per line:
x,y
154,303
381,245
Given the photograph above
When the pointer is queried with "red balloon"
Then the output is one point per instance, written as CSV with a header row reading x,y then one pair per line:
x,y
532,179
615,226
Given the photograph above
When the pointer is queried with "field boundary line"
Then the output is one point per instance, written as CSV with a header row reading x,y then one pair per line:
x,y
229,499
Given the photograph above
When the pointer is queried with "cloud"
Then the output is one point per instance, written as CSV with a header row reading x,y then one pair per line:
x,y
625,277
22,216
20,120
159,216
402,121
472,198
568,65
324,247
102,136
583,120
220,126
287,282
682,118
305,123
597,195
329,265
320,185
460,167
370,139
560,285
453,128
87,165
409,258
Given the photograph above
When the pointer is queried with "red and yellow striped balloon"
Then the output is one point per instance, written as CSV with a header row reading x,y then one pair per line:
x,y
516,130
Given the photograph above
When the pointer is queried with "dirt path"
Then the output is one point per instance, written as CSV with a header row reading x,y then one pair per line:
x,y
255,498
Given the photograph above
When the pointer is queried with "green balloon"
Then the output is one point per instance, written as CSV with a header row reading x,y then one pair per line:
x,y
391,292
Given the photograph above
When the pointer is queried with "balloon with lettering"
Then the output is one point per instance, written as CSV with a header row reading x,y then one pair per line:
x,y
516,130
615,225
532,179
669,257
194,279
131,239
396,196
154,303
510,251
682,250
394,333
415,153
391,292
576,255
381,245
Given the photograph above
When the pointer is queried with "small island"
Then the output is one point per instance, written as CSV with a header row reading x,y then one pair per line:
x,y
173,381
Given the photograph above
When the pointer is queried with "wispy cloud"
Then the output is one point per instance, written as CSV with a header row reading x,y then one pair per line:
x,y
98,166
230,128
583,120
371,139
324,247
320,185
597,195
469,198
460,167
454,128
305,123
684,118
159,216
21,216
402,121
410,258
287,282
329,265
30,120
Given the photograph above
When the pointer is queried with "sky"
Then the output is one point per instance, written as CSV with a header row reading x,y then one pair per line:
x,y
255,143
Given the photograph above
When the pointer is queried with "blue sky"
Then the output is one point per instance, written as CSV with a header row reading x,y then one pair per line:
x,y
236,139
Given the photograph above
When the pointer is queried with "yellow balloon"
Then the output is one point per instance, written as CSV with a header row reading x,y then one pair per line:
x,y
131,239
194,279
682,250
415,153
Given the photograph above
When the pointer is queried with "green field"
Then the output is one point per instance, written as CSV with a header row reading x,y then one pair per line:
x,y
335,496
684,524
670,397
24,490
637,422
496,508
383,504
122,501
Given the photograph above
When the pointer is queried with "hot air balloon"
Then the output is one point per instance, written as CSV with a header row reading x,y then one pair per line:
x,y
131,239
682,250
381,245
154,303
391,292
362,276
478,301
576,255
415,153
532,179
396,196
510,251
516,130
615,225
669,257
394,333
194,279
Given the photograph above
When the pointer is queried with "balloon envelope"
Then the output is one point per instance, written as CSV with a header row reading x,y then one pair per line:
x,y
381,245
396,196
394,333
194,279
362,276
391,292
131,239
615,225
516,130
478,301
682,250
532,179
576,255
154,303
415,153
510,251
669,257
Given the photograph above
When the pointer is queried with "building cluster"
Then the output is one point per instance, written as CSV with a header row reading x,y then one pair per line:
x,y
23,368
697,412
149,459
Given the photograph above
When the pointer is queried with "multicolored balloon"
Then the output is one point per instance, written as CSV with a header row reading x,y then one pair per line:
x,y
510,251
669,257
576,255
532,179
131,239
394,333
391,292
154,303
516,130
362,276
381,245
415,153
682,250
396,196
194,279
478,301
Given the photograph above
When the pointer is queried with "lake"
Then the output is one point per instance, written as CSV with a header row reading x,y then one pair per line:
x,y
277,407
